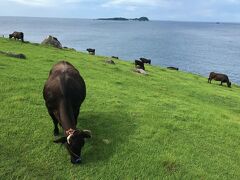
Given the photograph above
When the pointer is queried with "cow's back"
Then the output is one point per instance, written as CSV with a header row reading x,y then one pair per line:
x,y
219,77
64,82
18,34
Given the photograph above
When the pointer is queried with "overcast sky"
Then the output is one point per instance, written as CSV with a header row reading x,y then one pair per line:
x,y
180,10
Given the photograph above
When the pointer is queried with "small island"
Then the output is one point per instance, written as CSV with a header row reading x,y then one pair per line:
x,y
140,19
124,19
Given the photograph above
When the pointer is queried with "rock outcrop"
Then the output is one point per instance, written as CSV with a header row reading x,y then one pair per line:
x,y
14,55
52,41
140,71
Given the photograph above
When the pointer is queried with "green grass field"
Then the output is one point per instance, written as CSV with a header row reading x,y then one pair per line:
x,y
167,125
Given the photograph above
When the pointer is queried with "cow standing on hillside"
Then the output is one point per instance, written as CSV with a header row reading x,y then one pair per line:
x,y
219,77
17,35
64,92
91,51
173,68
139,64
146,61
115,57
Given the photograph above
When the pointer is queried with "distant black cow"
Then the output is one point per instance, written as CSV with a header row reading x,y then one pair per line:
x,y
114,57
146,61
139,64
173,68
219,77
91,51
64,92
17,35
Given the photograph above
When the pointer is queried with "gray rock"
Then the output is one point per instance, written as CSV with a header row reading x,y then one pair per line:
x,y
109,61
19,56
10,54
52,41
71,49
106,141
141,71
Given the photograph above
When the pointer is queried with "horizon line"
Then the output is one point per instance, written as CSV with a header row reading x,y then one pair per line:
x,y
162,20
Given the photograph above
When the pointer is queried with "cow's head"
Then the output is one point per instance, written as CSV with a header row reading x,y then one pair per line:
x,y
10,36
229,84
74,141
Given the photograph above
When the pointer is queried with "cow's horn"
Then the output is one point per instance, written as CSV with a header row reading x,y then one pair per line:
x,y
68,138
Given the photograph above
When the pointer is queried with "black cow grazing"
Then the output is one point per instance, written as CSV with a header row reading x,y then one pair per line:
x,y
219,77
114,57
17,35
173,68
91,51
146,61
64,92
139,64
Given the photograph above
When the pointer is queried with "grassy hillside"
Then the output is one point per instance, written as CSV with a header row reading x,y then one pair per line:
x,y
165,125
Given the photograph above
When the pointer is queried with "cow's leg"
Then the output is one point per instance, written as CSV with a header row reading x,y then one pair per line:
x,y
55,122
221,83
210,80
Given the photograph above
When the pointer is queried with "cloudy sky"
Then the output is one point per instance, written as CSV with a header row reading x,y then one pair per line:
x,y
180,10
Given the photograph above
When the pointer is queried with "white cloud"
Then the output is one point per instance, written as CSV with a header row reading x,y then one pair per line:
x,y
119,3
203,10
44,2
132,2
34,2
72,1
233,1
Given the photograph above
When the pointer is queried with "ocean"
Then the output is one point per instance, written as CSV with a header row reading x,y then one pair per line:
x,y
195,47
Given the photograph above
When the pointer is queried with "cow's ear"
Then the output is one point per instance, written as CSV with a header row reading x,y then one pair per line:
x,y
61,140
86,133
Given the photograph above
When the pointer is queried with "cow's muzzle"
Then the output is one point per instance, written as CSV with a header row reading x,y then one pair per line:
x,y
76,160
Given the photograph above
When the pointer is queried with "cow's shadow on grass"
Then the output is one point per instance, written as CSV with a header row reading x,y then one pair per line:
x,y
110,130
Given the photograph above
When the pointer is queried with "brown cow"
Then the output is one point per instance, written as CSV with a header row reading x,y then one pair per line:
x,y
17,35
219,77
64,92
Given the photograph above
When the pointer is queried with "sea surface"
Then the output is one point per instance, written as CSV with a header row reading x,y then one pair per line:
x,y
191,46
